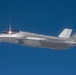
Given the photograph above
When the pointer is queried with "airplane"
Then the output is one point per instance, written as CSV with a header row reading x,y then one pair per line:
x,y
63,41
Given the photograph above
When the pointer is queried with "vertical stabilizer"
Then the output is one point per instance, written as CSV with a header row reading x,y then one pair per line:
x,y
66,33
73,36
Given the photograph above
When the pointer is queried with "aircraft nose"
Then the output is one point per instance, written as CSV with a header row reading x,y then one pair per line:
x,y
7,36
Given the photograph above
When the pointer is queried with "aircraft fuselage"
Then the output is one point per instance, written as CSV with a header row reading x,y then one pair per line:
x,y
37,40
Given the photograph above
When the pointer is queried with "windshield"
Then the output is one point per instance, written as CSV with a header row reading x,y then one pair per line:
x,y
11,32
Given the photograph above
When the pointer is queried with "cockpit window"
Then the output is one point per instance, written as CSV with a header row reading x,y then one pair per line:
x,y
11,32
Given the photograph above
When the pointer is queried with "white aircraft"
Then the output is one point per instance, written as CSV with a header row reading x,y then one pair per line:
x,y
63,41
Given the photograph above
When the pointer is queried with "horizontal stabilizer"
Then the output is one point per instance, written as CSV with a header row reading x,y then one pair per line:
x,y
66,33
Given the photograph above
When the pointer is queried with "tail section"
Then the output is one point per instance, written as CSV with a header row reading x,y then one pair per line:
x,y
73,36
66,33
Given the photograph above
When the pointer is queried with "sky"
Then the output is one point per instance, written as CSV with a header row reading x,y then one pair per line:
x,y
47,17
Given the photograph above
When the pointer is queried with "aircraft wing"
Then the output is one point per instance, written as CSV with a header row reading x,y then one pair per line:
x,y
44,42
